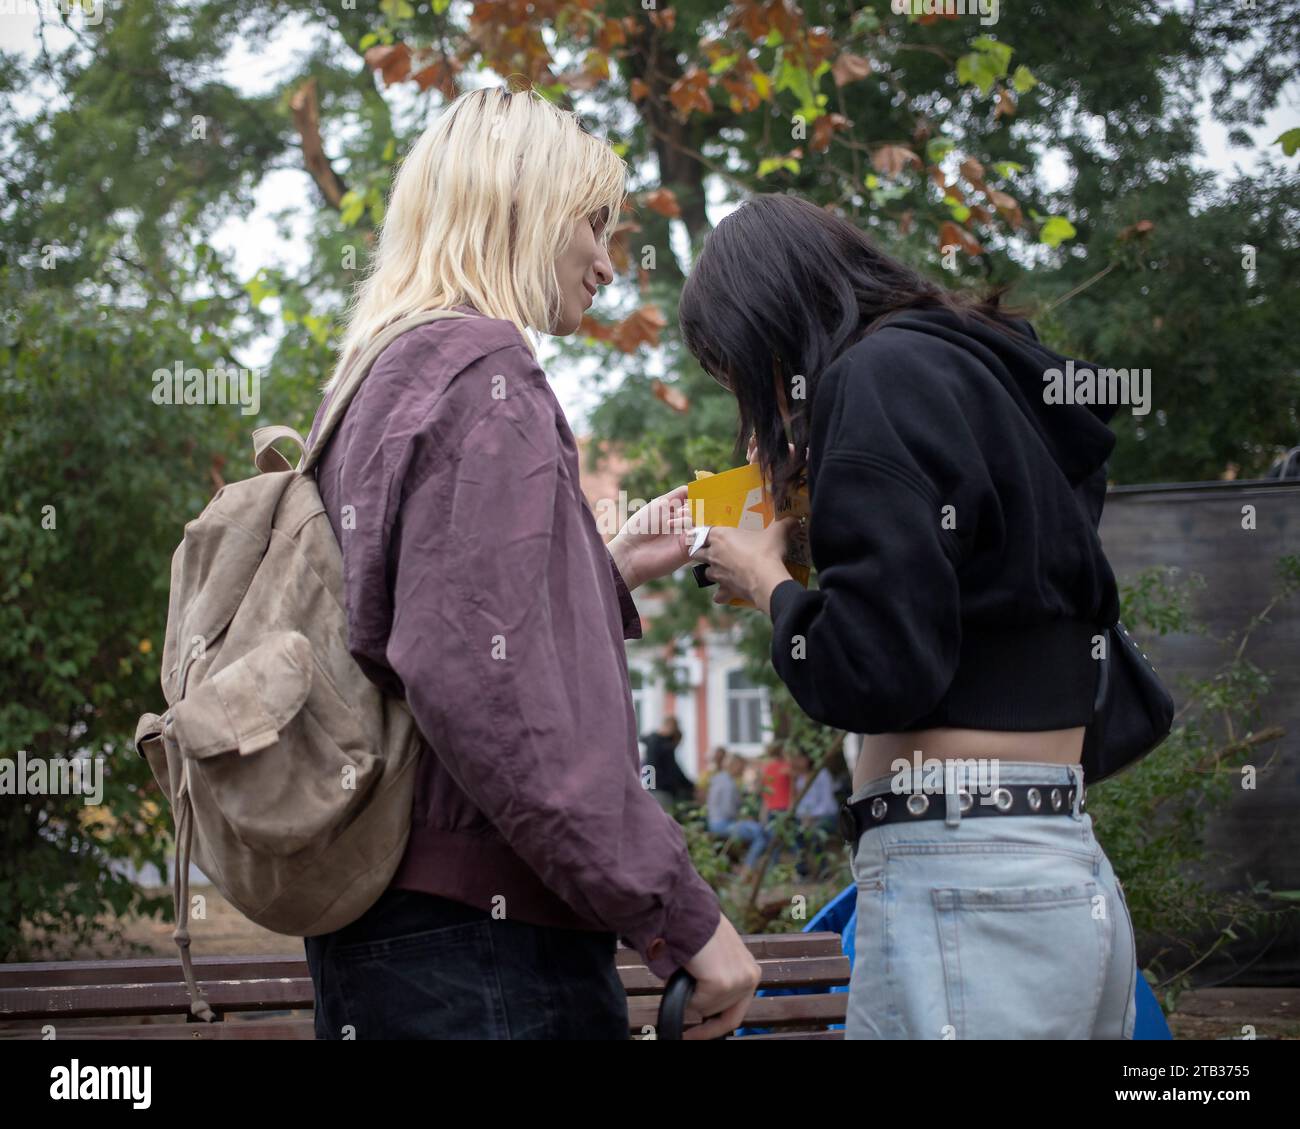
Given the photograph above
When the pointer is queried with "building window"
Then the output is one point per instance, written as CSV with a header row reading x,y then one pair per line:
x,y
746,705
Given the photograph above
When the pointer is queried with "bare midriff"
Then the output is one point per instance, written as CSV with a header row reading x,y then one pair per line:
x,y
881,750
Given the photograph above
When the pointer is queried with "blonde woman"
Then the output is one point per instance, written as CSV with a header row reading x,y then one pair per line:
x,y
478,587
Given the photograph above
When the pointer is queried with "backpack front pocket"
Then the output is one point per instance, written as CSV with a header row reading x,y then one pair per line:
x,y
269,742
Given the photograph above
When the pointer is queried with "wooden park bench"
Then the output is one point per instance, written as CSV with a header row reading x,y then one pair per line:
x,y
271,997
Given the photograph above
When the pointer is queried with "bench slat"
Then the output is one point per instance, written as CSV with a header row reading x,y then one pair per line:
x,y
151,999
765,946
147,970
808,972
764,1011
229,1029
165,970
296,992
58,991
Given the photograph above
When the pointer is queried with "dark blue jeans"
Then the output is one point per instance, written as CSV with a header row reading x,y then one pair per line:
x,y
417,966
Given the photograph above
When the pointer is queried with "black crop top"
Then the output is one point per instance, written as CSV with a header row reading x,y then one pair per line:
x,y
953,527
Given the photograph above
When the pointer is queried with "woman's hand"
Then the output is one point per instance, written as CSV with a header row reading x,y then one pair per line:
x,y
746,563
655,541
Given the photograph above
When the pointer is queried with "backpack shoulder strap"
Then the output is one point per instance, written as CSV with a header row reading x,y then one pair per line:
x,y
356,372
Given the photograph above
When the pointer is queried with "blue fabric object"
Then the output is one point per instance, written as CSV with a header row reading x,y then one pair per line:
x,y
1151,1022
840,915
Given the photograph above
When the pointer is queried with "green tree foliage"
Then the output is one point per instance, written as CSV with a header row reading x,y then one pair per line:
x,y
97,483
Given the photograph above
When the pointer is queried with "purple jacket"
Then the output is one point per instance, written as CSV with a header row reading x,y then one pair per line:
x,y
478,587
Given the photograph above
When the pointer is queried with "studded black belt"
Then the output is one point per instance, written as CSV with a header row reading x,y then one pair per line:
x,y
907,807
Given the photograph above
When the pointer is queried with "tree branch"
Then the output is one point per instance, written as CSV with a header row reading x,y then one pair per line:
x,y
306,118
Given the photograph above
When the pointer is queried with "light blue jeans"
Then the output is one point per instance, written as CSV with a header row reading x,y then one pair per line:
x,y
747,831
999,927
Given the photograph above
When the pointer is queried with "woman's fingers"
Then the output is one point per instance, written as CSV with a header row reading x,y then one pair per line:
x,y
725,595
751,455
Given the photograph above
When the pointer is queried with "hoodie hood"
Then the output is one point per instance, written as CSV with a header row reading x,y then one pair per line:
x,y
1075,435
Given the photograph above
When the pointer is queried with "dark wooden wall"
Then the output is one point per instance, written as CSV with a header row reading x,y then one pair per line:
x,y
1197,527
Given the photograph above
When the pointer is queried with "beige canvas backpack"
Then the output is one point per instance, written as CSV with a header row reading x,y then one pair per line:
x,y
290,775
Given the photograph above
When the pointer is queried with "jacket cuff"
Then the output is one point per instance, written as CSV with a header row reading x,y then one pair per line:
x,y
781,594
627,606
689,923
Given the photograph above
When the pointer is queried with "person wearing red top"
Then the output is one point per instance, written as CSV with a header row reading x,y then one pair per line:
x,y
777,782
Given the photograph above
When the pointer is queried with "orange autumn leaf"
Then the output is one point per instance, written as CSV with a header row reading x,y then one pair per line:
x,y
441,74
1142,227
973,171
951,233
691,92
819,45
597,330
823,128
757,18
620,255
673,397
393,63
638,88
665,19
641,327
890,160
849,68
1005,204
663,201
611,35
742,87
1004,104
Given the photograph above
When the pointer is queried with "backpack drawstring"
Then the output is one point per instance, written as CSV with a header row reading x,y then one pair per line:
x,y
199,1005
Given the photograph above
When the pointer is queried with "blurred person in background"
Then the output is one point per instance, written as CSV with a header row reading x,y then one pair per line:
x,y
670,785
724,802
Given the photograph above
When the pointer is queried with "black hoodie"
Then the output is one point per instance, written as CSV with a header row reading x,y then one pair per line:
x,y
954,530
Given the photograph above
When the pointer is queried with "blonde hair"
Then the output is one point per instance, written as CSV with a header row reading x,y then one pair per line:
x,y
479,212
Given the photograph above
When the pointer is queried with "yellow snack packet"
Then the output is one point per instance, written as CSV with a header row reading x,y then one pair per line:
x,y
740,499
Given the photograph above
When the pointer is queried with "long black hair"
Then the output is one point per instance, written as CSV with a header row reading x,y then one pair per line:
x,y
783,287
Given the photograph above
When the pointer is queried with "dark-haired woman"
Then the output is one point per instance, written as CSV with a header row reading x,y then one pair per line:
x,y
961,581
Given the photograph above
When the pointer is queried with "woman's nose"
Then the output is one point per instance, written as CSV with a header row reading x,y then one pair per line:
x,y
604,268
